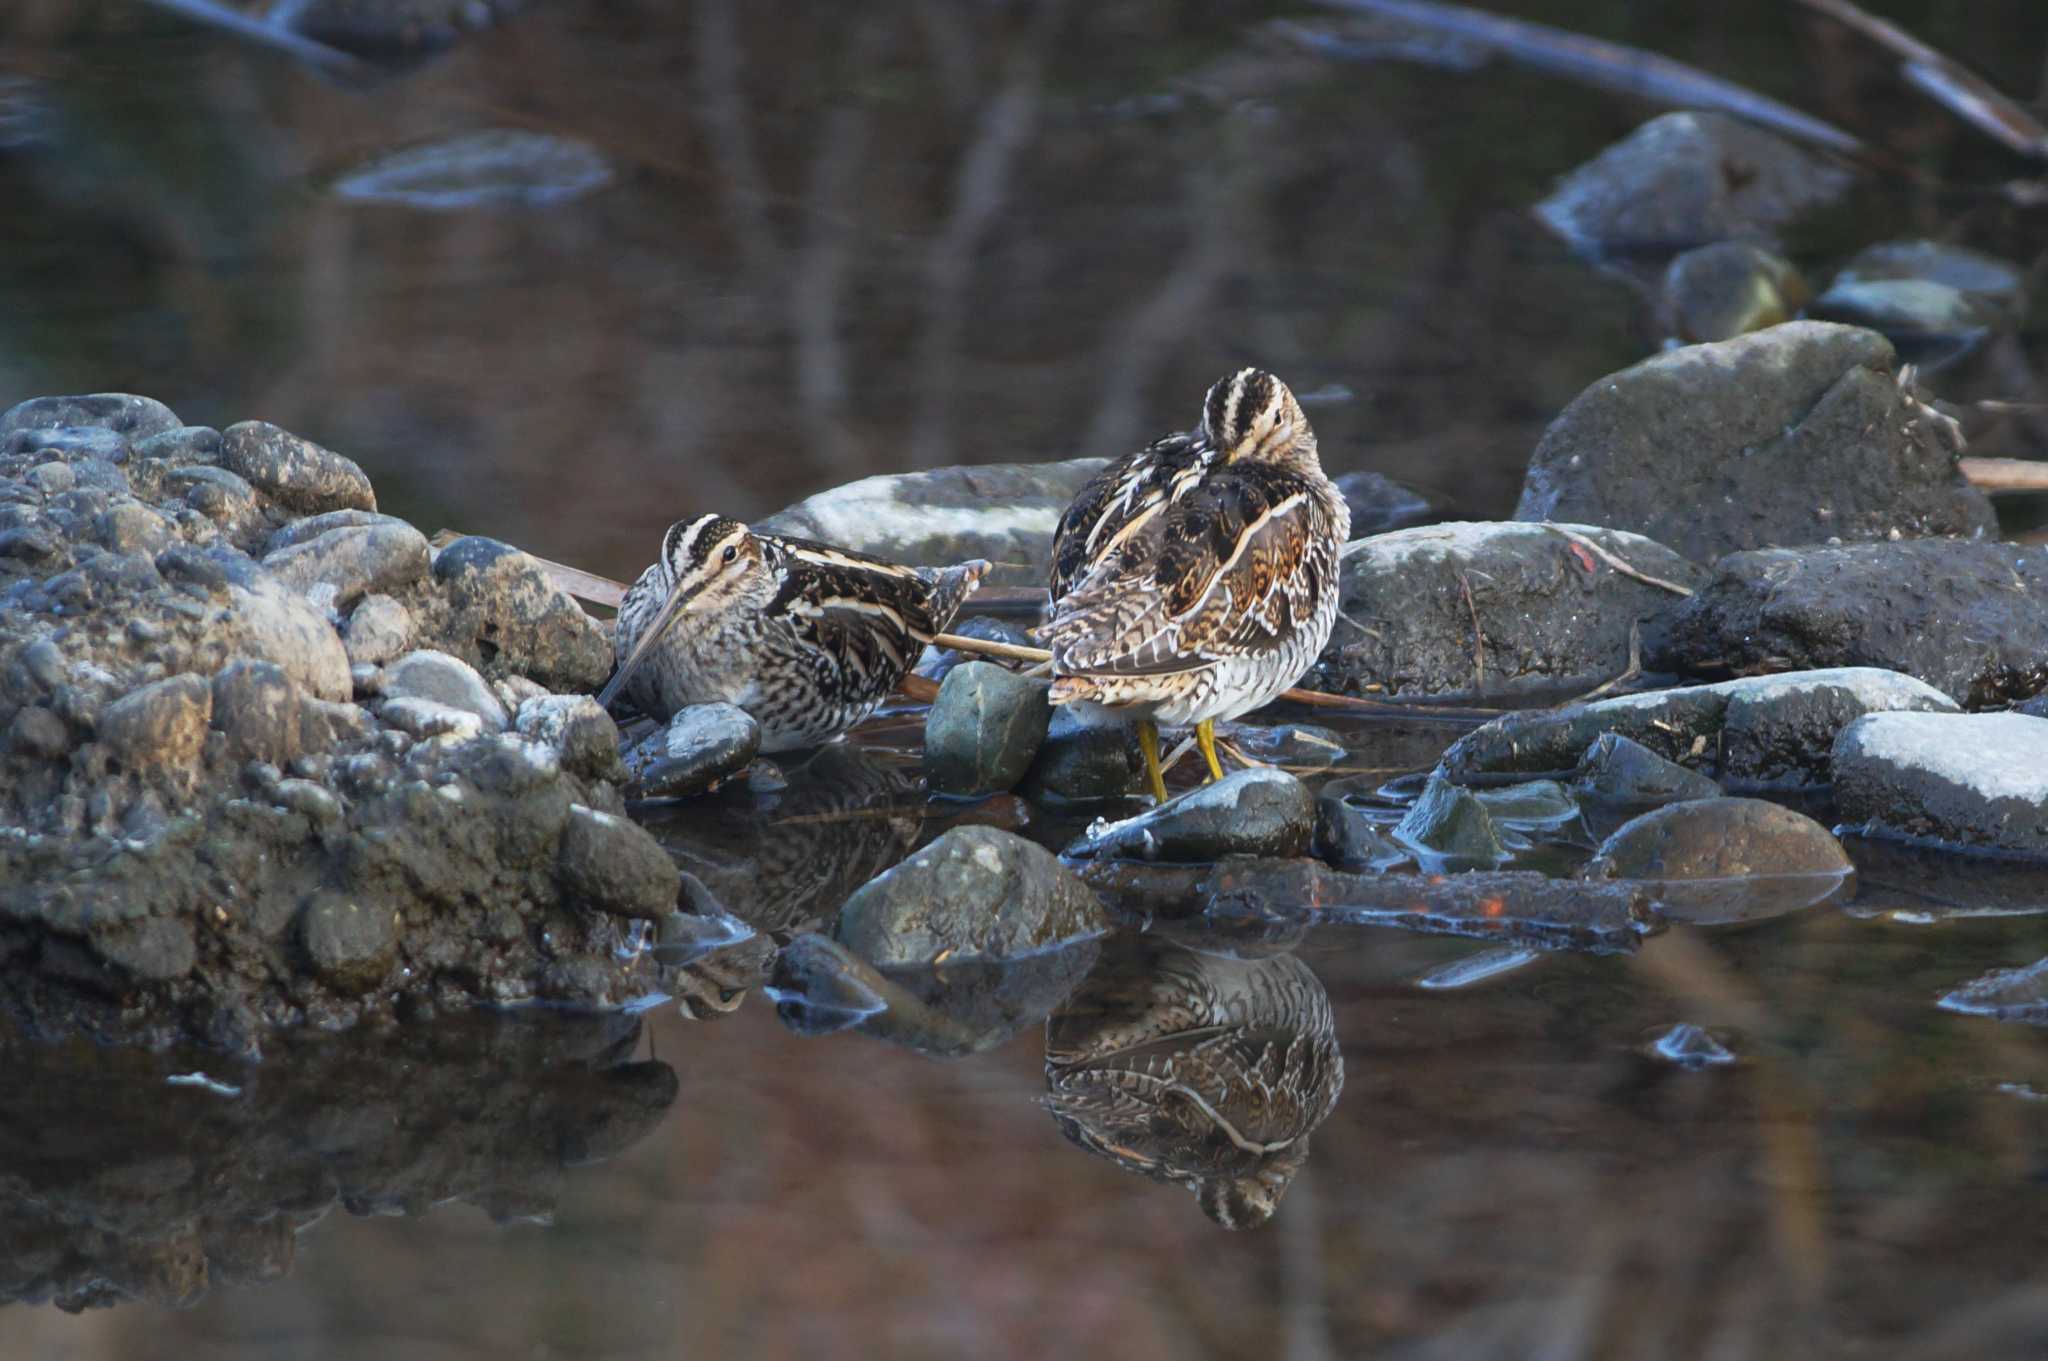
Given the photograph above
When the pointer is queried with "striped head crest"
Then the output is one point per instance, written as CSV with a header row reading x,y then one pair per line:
x,y
1253,415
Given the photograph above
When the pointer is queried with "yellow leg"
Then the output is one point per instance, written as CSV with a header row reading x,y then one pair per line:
x,y
1148,738
1205,738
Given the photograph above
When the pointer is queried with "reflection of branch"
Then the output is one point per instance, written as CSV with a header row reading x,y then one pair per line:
x,y
979,195
316,54
815,283
732,143
1593,61
1962,92
1135,352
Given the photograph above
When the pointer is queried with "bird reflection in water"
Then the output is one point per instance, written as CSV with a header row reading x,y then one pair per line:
x,y
774,865
1200,1069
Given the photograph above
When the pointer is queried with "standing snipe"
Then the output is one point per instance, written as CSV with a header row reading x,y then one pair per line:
x,y
1197,579
805,637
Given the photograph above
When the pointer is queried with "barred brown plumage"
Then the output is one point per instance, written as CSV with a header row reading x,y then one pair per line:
x,y
1197,578
806,637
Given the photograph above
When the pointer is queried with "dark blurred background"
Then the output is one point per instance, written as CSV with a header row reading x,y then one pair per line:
x,y
847,239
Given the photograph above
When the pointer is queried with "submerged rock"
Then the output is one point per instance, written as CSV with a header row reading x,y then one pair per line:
x,y
1624,773
1763,732
945,1011
1687,179
1004,512
1451,830
1202,1071
975,893
1462,610
2005,995
1729,289
1970,619
1975,781
1248,812
702,744
1084,760
1934,301
1725,860
983,730
1800,434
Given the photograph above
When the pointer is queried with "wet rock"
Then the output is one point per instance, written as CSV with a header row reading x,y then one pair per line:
x,y
1248,812
163,724
609,864
342,565
379,629
2037,707
702,744
222,497
1533,805
38,733
1450,829
350,944
1084,760
940,662
1967,618
2005,995
1977,781
423,718
1351,839
154,949
436,676
296,472
582,735
53,478
1688,179
499,605
1759,732
1623,773
1551,617
135,417
1005,513
492,167
984,729
180,445
131,527
1799,434
1725,860
975,893
1379,504
269,622
261,712
1728,289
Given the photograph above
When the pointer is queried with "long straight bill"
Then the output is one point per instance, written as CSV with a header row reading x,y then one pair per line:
x,y
670,608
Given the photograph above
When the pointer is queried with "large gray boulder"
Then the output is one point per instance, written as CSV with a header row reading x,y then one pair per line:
x,y
1463,610
1969,618
1798,434
1974,781
1003,512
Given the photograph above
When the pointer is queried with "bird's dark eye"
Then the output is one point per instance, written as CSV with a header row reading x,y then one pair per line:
x,y
731,552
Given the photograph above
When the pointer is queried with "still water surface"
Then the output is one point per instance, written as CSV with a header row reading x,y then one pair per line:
x,y
839,240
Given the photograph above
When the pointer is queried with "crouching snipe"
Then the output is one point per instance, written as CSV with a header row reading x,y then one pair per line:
x,y
805,637
1197,579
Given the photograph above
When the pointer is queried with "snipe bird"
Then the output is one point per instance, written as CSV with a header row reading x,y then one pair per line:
x,y
805,637
1197,579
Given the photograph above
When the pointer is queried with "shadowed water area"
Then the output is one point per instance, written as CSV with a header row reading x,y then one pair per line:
x,y
596,267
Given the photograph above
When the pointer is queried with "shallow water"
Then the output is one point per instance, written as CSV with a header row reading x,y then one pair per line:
x,y
845,240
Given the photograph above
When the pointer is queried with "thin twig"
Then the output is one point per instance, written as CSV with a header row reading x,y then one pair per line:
x,y
1478,637
990,648
1618,564
1635,665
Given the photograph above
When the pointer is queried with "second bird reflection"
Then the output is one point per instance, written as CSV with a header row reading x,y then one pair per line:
x,y
1202,1070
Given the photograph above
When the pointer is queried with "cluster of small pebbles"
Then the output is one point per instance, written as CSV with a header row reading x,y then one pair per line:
x,y
272,759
